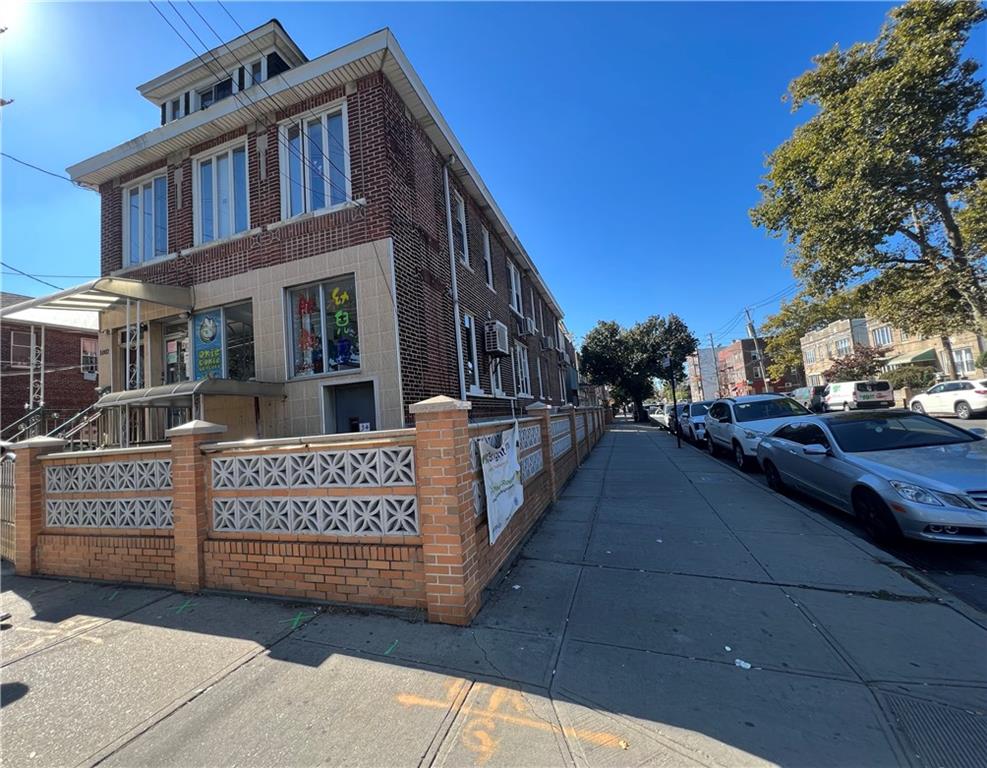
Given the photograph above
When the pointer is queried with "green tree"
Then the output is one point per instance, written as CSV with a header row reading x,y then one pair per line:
x,y
888,178
629,359
863,363
912,376
801,315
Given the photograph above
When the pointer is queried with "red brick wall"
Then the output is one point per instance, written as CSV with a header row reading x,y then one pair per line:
x,y
136,559
365,574
65,390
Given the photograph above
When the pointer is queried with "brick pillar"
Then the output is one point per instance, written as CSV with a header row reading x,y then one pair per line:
x,y
29,499
544,414
445,509
189,478
572,431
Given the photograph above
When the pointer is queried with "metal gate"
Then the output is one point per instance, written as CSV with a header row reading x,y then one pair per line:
x,y
7,507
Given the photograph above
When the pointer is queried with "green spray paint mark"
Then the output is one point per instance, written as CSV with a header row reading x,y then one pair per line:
x,y
185,606
391,648
297,620
113,597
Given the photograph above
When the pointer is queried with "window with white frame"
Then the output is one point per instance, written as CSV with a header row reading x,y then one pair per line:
x,y
145,224
322,325
460,241
221,90
541,387
496,377
314,163
522,372
472,369
258,71
531,298
541,317
903,335
559,337
487,261
882,336
515,279
843,347
20,349
810,354
963,358
562,393
221,195
89,357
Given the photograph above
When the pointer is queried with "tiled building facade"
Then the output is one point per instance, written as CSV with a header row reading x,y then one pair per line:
x,y
328,222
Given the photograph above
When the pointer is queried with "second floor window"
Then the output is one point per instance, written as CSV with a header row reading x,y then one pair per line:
x,y
522,373
314,164
89,357
221,193
843,347
487,261
146,223
459,239
882,336
515,277
810,354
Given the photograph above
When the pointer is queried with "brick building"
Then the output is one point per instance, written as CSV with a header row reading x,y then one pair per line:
x,y
303,247
65,347
740,370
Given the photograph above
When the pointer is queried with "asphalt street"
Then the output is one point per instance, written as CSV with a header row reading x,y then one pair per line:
x,y
959,569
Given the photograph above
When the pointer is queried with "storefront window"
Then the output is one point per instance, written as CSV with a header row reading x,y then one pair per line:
x,y
223,343
324,334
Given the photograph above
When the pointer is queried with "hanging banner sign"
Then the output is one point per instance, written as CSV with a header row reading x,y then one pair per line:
x,y
502,480
207,345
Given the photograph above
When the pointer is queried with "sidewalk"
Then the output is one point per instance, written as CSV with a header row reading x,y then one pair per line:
x,y
622,636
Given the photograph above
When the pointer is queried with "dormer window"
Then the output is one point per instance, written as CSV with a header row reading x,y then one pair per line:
x,y
257,72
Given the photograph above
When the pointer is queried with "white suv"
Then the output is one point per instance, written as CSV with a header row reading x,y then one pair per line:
x,y
739,423
953,398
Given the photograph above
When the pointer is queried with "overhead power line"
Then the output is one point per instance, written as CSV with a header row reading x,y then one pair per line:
x,y
28,274
39,169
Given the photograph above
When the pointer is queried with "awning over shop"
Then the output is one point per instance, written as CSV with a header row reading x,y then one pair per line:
x,y
180,394
102,294
925,356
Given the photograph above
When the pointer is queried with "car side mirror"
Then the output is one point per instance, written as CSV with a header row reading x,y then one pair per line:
x,y
815,449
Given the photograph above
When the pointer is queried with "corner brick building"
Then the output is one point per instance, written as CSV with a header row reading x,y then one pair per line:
x,y
303,247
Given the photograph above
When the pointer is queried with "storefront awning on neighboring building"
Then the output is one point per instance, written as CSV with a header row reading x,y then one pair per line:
x,y
102,294
180,394
925,356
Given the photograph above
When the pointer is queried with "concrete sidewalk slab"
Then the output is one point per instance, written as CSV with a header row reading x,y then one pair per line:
x,y
316,709
511,656
575,509
678,550
700,618
824,561
719,714
539,604
88,691
879,636
560,540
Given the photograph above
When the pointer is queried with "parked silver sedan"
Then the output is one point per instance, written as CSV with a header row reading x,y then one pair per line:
x,y
900,473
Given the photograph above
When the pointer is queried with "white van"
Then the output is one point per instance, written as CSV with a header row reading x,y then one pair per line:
x,y
848,395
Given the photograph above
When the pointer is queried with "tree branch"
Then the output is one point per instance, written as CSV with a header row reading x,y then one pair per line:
x,y
953,235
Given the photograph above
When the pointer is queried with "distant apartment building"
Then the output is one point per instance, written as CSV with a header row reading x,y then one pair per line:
x,y
304,247
741,371
700,368
842,337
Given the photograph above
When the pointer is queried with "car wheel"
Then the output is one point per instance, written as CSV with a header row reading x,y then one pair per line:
x,y
739,457
711,446
875,517
963,410
918,408
773,476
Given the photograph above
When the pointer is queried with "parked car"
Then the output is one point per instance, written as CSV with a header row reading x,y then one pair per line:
x,y
737,424
952,398
809,397
693,421
848,395
899,472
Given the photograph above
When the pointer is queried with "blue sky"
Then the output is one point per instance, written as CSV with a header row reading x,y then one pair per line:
x,y
623,141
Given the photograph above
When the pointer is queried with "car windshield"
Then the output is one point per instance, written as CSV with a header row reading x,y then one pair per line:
x,y
699,409
889,433
873,386
775,408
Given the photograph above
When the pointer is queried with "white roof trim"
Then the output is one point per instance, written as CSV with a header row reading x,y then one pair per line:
x,y
102,294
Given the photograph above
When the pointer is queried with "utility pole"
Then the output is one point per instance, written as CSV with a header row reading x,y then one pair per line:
x,y
752,332
699,365
716,366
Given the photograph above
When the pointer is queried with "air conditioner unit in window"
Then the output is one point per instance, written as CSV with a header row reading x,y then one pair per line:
x,y
495,338
525,326
547,342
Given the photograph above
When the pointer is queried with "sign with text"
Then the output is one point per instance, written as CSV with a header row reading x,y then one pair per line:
x,y
502,481
207,344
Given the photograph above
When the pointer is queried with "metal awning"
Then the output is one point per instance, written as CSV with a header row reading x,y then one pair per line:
x,y
102,294
180,394
925,356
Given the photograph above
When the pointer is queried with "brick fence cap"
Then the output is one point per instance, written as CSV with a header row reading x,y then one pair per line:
x,y
538,406
439,403
196,427
39,442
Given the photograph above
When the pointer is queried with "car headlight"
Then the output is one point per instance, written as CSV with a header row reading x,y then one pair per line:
x,y
753,434
916,493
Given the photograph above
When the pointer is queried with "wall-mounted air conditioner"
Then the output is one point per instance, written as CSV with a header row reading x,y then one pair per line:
x,y
495,337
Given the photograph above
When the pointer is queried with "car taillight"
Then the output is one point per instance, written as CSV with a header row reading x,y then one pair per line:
x,y
980,391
